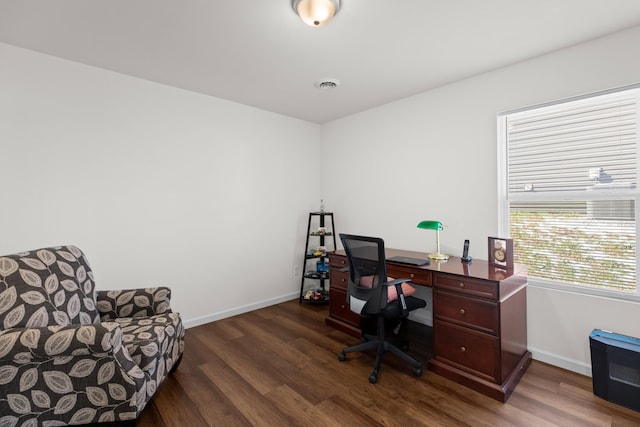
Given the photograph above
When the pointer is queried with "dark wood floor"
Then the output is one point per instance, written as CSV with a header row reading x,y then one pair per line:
x,y
278,366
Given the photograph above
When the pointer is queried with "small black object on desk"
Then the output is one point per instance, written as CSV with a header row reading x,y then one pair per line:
x,y
465,252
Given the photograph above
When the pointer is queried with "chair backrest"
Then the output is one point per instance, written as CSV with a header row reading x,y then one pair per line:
x,y
48,286
367,269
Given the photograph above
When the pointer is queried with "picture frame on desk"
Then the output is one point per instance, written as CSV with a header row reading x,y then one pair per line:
x,y
500,252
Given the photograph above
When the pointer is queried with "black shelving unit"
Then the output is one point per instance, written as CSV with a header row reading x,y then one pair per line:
x,y
319,273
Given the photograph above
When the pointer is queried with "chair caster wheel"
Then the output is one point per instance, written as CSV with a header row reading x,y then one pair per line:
x,y
417,371
373,379
342,357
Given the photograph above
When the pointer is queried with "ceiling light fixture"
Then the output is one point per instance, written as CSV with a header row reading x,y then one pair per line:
x,y
316,13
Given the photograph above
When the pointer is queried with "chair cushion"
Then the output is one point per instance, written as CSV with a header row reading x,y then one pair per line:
x,y
393,311
392,294
45,287
148,340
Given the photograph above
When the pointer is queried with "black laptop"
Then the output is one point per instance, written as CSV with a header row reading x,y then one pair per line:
x,y
409,260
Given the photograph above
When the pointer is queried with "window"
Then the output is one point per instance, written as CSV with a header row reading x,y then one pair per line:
x,y
569,190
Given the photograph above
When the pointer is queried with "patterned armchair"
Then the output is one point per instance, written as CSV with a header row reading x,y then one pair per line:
x,y
72,355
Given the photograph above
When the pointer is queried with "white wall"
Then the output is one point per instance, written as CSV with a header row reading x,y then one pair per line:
x,y
434,156
156,185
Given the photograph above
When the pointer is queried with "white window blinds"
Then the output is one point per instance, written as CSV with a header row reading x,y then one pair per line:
x,y
570,189
581,145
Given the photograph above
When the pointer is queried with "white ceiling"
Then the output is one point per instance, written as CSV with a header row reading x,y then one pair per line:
x,y
259,53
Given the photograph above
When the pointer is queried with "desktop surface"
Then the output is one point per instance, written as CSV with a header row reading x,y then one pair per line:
x,y
477,268
409,260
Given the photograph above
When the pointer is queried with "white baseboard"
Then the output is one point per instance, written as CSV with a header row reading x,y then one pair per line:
x,y
561,362
189,323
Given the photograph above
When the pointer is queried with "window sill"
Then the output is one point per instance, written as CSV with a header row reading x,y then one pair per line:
x,y
584,290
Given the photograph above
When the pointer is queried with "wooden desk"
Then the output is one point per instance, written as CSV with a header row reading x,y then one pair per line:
x,y
479,318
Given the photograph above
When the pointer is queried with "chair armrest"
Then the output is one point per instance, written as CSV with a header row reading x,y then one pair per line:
x,y
27,345
397,283
133,302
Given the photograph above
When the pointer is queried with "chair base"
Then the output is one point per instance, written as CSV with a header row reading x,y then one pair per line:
x,y
381,344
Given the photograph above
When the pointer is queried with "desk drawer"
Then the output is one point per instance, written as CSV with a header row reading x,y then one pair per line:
x,y
417,275
339,307
465,285
466,349
471,312
337,261
338,279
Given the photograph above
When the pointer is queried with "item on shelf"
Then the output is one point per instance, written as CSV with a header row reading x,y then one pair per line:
x,y
321,251
317,295
317,275
322,266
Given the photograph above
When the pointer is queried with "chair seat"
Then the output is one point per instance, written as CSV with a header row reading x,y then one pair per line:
x,y
148,338
392,311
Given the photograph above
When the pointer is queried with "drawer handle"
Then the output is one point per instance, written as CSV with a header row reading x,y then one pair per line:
x,y
462,311
342,306
461,285
463,349
411,276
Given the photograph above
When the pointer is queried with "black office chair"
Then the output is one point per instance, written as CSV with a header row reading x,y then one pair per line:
x,y
368,295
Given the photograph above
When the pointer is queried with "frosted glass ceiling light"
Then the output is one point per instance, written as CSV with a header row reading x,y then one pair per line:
x,y
316,13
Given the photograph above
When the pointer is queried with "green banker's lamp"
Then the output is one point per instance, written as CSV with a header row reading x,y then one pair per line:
x,y
435,225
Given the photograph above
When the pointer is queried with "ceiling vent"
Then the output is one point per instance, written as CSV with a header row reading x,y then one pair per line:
x,y
327,84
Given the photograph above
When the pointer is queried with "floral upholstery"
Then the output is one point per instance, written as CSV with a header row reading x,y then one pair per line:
x,y
72,355
133,303
52,286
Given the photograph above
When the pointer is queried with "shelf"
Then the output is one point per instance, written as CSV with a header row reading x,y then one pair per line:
x,y
316,256
317,275
318,250
319,296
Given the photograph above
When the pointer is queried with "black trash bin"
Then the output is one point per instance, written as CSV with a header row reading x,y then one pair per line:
x,y
615,368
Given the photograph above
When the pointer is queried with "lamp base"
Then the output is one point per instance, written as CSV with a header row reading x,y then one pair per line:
x,y
438,256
